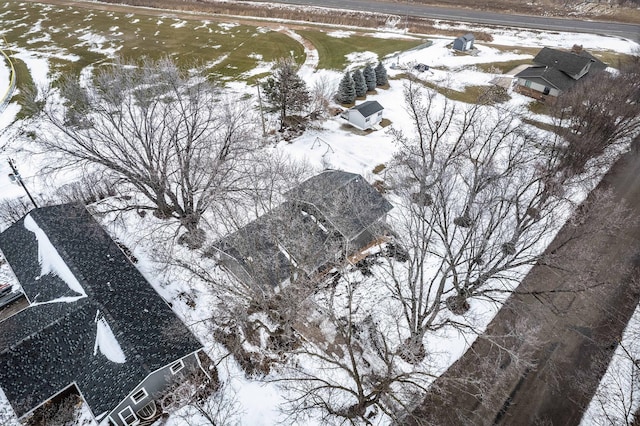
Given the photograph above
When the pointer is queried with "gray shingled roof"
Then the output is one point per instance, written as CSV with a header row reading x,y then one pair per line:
x,y
346,200
306,231
548,77
46,347
255,248
568,62
368,108
280,243
556,67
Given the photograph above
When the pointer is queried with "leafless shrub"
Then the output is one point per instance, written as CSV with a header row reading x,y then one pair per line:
x,y
599,112
13,209
90,188
62,411
196,399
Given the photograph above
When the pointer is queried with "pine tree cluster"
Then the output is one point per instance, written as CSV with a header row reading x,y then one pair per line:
x,y
357,84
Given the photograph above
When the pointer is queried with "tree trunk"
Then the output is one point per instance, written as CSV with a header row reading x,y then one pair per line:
x,y
194,237
413,350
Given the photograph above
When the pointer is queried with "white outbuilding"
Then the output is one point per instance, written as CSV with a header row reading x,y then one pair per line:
x,y
365,116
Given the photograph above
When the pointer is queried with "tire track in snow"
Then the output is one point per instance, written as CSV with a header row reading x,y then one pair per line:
x,y
312,58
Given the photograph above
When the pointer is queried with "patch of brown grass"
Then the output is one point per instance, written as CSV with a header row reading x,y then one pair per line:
x,y
379,168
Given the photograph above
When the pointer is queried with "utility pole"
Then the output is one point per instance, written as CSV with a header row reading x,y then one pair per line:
x,y
264,128
18,178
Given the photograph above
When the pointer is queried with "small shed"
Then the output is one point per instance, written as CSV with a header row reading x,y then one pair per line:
x,y
365,116
464,42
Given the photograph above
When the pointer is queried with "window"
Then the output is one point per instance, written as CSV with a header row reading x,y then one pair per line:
x,y
367,119
128,417
177,367
139,396
527,83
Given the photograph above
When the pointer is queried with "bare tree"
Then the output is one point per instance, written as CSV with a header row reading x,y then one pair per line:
x,y
158,129
617,398
285,91
12,210
477,199
349,369
323,92
599,112
63,411
197,400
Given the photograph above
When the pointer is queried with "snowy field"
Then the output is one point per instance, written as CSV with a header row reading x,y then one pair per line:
x,y
330,144
5,75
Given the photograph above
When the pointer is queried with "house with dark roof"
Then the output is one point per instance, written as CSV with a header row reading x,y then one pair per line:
x,y
555,71
324,220
464,42
93,322
365,116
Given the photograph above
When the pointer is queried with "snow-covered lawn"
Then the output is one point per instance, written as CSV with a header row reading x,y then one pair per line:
x,y
329,144
618,396
5,74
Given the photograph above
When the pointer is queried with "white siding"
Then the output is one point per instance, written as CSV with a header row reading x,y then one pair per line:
x,y
358,120
537,87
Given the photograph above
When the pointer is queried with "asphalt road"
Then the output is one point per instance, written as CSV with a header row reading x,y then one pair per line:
x,y
631,31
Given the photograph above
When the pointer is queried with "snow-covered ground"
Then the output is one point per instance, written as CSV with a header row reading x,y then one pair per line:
x,y
330,144
618,397
335,145
5,76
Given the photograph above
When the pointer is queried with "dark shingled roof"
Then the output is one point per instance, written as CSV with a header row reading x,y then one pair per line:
x,y
346,200
568,62
271,248
255,248
557,68
547,77
368,108
306,231
46,347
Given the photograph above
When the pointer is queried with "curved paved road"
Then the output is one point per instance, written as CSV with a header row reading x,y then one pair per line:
x,y
631,31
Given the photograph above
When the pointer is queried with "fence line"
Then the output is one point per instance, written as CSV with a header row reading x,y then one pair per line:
x,y
4,101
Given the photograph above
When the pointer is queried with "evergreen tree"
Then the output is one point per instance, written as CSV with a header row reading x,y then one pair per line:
x,y
360,84
285,92
370,78
346,90
381,75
